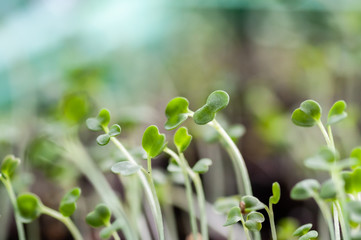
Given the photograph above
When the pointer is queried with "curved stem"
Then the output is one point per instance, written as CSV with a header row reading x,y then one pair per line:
x,y
326,214
269,211
336,223
342,219
12,196
114,234
246,231
66,220
149,189
237,159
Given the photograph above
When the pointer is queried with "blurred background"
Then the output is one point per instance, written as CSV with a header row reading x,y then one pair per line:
x,y
62,61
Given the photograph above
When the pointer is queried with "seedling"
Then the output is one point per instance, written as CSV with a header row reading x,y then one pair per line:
x,y
304,232
30,208
129,167
100,217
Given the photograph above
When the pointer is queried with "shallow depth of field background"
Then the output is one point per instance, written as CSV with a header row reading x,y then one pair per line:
x,y
132,57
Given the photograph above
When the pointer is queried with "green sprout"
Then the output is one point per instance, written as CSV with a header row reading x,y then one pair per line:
x,y
30,208
304,232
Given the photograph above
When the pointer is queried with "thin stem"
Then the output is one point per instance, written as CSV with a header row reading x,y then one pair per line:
x,y
115,233
149,189
324,133
269,211
246,231
10,190
149,163
237,159
188,186
326,214
336,223
199,191
342,220
66,220
330,135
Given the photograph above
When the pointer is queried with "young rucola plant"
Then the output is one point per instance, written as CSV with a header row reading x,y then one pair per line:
x,y
177,111
338,197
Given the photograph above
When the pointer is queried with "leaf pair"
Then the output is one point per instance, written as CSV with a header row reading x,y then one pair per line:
x,y
8,166
253,222
309,113
310,187
304,232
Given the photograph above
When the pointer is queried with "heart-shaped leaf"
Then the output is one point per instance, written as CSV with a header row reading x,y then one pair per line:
x,y
99,217
276,193
224,204
182,139
100,122
251,204
310,235
114,130
103,139
176,112
307,114
30,207
328,190
254,221
107,232
125,168
202,165
354,208
302,230
68,202
337,112
8,165
305,189
153,142
234,216
216,101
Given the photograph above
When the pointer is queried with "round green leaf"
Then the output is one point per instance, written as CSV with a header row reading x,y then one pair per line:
x,y
328,190
103,139
224,204
310,235
114,130
176,112
202,165
302,230
125,168
234,216
153,142
307,114
100,122
254,221
107,232
29,206
337,112
301,119
312,109
305,189
68,202
182,139
8,165
276,191
99,217
251,204
216,101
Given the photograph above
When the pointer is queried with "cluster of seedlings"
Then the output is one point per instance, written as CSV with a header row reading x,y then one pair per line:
x,y
338,198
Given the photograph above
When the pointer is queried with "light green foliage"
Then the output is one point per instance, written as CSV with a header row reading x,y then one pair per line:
x,y
68,202
153,142
173,166
74,107
276,191
8,165
328,190
100,122
103,139
352,180
305,189
114,130
216,101
224,204
254,221
176,112
234,216
251,204
125,168
323,160
302,229
99,217
29,206
307,114
182,139
310,235
202,165
354,207
337,112
356,154
107,232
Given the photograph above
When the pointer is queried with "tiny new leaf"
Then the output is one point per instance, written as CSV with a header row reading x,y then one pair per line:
x,y
107,232
68,202
100,122
29,206
251,204
176,112
305,189
254,221
302,230
182,139
307,114
224,204
276,193
337,112
103,139
234,216
8,165
202,165
153,142
125,168
310,235
114,130
99,217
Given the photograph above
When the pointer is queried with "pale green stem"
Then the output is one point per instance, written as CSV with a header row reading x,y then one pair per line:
x,y
19,224
246,231
237,159
341,217
66,220
336,223
114,234
199,191
149,163
324,133
269,211
326,214
189,194
149,189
